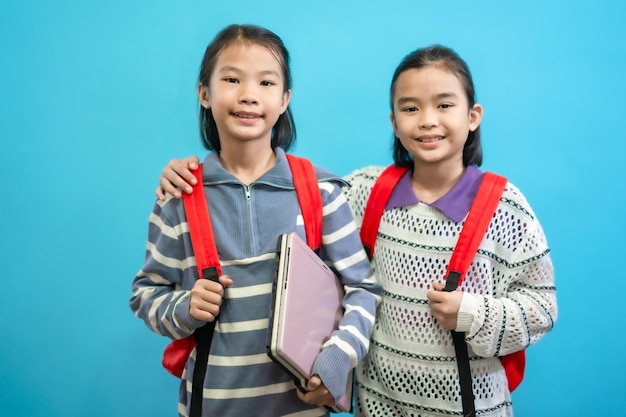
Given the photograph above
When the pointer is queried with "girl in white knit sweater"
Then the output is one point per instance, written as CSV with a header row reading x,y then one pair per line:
x,y
507,300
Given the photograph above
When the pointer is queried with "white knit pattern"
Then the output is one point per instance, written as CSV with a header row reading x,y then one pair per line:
x,y
509,303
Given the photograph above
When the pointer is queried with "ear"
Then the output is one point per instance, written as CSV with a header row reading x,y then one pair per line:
x,y
475,116
285,102
203,96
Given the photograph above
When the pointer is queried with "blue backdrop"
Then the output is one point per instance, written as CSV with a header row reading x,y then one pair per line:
x,y
97,96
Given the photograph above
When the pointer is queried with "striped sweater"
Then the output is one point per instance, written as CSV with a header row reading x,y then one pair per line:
x,y
241,380
508,304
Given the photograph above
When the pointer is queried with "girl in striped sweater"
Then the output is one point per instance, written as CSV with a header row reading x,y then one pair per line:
x,y
246,123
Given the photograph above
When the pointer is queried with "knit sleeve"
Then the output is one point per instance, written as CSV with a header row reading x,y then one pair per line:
x,y
161,289
522,306
341,246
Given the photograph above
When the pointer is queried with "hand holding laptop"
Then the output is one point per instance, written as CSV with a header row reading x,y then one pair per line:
x,y
317,393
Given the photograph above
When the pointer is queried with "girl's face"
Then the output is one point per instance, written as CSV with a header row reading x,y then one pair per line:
x,y
246,93
431,116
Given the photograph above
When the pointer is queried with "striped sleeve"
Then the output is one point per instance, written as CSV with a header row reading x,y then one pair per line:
x,y
160,290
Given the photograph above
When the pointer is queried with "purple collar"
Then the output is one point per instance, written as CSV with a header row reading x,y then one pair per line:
x,y
455,204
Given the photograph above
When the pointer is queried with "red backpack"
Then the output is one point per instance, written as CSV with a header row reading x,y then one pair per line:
x,y
474,229
177,352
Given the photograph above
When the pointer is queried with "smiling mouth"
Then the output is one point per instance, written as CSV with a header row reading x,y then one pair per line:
x,y
247,115
430,139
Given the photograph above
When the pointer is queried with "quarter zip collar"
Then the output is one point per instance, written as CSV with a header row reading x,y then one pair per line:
x,y
278,176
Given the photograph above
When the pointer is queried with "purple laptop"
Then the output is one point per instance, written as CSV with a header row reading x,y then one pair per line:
x,y
307,308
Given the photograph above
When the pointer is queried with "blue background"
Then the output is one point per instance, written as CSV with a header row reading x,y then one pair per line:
x,y
97,96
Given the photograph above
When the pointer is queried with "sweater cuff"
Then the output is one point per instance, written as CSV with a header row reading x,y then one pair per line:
x,y
333,365
467,313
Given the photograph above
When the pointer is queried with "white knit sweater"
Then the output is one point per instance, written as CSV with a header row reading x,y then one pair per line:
x,y
509,303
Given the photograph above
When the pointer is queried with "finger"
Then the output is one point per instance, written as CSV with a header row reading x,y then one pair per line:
x,y
179,172
212,288
434,296
319,397
204,310
313,383
187,176
159,193
226,280
200,314
209,291
210,302
438,286
301,395
167,187
193,162
203,304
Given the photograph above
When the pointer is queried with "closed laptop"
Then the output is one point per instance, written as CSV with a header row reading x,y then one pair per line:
x,y
306,310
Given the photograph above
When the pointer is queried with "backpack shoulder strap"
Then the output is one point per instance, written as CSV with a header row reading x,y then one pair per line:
x,y
201,231
475,227
376,203
309,198
208,264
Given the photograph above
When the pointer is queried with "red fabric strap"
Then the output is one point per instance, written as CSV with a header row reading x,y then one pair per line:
x,y
200,229
473,232
309,197
376,204
476,224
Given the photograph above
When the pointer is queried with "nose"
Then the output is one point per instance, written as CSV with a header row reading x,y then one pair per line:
x,y
248,94
428,118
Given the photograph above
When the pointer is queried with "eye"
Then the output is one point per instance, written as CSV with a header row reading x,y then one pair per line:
x,y
445,105
410,109
231,80
267,83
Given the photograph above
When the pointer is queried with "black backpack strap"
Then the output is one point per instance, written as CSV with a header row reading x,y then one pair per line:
x,y
462,357
204,336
